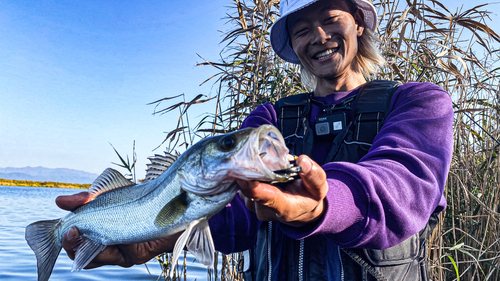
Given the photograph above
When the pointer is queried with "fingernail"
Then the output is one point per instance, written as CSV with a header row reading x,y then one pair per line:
x,y
72,234
306,165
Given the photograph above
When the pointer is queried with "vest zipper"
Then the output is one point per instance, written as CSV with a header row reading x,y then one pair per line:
x,y
301,260
364,265
269,260
341,265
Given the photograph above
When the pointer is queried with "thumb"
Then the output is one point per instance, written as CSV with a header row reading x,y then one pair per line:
x,y
71,202
313,176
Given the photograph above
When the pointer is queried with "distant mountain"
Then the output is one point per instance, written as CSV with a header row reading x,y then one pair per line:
x,y
47,174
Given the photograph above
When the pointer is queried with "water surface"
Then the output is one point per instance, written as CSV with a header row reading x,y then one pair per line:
x,y
20,206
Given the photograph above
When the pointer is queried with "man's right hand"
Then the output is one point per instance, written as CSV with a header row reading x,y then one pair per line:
x,y
122,255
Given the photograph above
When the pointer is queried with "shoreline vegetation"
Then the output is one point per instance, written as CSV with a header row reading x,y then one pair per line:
x,y
424,41
50,184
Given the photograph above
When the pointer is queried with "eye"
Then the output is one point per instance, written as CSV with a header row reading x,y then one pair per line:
x,y
299,31
331,19
227,143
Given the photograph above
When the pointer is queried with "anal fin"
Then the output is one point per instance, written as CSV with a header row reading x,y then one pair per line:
x,y
85,253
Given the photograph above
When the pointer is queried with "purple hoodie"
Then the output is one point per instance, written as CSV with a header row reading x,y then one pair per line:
x,y
383,199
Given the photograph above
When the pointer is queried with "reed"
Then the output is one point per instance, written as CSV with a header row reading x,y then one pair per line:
x,y
422,41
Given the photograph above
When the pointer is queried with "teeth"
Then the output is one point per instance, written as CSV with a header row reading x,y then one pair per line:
x,y
326,53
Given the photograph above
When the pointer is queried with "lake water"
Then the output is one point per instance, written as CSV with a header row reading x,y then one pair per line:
x,y
20,206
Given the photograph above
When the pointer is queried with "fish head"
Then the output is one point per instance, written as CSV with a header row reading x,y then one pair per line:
x,y
263,153
247,154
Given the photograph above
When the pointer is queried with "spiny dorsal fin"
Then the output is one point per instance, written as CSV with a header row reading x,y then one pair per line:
x,y
159,164
109,179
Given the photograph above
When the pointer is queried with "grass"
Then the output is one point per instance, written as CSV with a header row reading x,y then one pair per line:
x,y
43,184
422,41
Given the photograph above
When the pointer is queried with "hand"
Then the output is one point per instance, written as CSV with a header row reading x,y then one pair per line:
x,y
298,203
122,255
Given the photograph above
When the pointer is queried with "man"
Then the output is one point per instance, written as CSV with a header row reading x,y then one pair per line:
x,y
371,187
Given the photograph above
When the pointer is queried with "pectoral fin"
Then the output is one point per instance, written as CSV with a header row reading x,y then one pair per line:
x,y
172,211
85,253
198,239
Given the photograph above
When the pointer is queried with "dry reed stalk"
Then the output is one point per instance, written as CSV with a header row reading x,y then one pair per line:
x,y
422,41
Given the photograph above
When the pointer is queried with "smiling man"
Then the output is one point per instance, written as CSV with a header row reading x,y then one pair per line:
x,y
384,148
374,155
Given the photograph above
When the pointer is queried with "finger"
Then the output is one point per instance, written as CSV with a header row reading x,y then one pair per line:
x,y
249,204
263,199
313,177
132,254
143,252
255,199
265,213
71,202
70,241
260,192
110,255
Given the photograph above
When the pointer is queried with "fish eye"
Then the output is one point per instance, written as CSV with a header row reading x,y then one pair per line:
x,y
227,143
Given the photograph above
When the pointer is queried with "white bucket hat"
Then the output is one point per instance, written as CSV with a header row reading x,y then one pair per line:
x,y
280,40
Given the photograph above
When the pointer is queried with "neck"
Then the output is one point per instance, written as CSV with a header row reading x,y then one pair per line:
x,y
338,84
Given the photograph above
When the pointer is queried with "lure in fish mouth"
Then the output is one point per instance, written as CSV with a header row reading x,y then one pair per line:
x,y
182,196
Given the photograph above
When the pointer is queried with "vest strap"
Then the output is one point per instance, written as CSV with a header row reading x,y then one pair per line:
x,y
372,106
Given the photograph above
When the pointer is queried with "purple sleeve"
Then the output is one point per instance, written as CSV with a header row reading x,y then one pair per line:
x,y
392,191
234,229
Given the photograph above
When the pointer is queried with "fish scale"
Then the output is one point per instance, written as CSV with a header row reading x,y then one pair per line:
x,y
195,187
125,225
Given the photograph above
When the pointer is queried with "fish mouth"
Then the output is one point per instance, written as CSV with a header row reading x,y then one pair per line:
x,y
264,152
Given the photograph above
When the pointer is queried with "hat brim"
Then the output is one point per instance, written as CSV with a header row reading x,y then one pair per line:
x,y
280,39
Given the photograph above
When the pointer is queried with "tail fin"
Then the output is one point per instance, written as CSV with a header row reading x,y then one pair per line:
x,y
42,239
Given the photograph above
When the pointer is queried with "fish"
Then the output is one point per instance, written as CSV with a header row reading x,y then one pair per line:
x,y
197,185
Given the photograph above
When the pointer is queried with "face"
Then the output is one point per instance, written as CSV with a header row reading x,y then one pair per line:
x,y
324,37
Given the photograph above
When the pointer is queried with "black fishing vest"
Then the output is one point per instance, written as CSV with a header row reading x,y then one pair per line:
x,y
316,257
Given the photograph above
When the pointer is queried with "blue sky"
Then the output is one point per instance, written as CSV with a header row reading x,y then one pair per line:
x,y
78,75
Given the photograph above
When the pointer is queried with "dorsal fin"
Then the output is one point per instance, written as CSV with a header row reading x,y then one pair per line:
x,y
159,164
109,179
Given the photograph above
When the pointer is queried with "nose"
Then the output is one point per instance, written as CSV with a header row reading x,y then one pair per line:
x,y
320,36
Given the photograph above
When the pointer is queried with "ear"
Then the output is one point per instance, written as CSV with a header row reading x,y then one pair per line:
x,y
359,19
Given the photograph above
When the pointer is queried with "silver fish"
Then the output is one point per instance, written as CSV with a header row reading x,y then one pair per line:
x,y
197,185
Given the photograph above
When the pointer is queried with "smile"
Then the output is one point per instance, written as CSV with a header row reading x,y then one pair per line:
x,y
326,54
